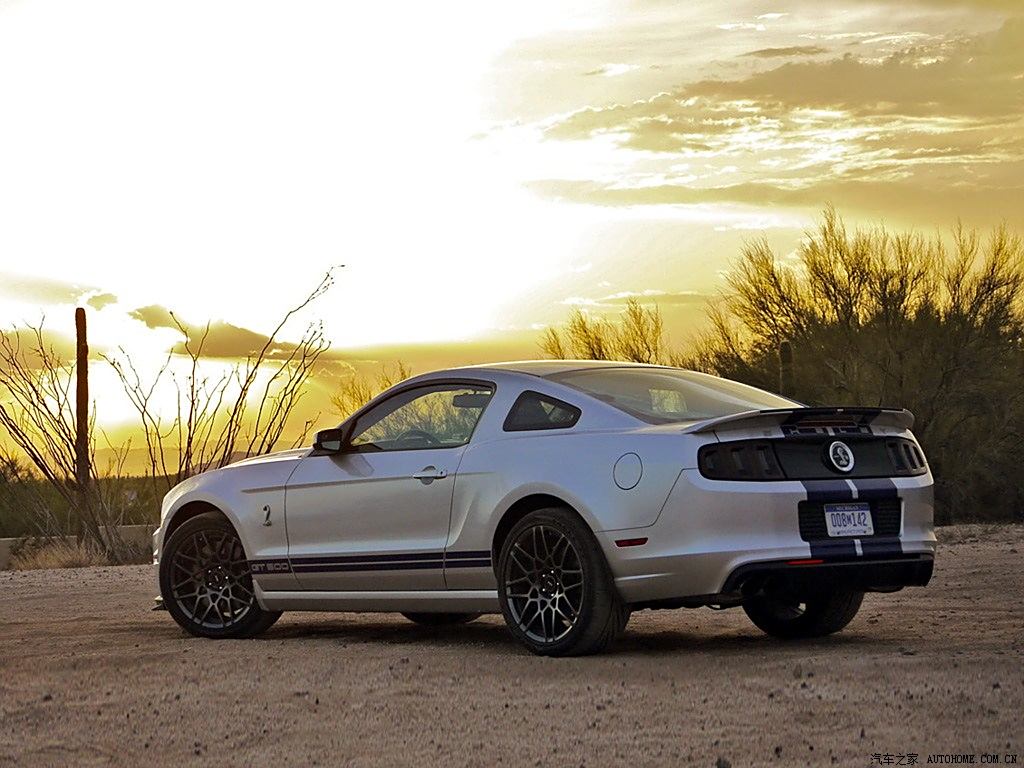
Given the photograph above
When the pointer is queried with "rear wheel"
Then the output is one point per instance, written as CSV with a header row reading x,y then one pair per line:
x,y
205,581
789,616
556,591
441,619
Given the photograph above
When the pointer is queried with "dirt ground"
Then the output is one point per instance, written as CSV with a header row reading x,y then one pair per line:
x,y
89,676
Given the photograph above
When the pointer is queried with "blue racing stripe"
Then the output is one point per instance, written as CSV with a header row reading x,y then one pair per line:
x,y
833,548
412,561
881,546
876,488
827,490
824,491
476,554
415,565
306,560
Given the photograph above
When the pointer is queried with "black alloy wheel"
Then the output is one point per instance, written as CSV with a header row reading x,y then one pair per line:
x,y
206,583
556,591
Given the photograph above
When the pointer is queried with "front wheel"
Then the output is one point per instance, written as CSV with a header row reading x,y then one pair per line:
x,y
205,581
556,591
790,617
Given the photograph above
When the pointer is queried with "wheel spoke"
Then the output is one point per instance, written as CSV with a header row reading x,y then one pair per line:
x,y
527,623
210,579
519,563
546,556
543,583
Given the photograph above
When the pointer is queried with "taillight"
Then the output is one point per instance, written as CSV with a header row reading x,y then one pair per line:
x,y
745,460
906,457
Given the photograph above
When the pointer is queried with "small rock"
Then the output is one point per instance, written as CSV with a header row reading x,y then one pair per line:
x,y
721,762
47,697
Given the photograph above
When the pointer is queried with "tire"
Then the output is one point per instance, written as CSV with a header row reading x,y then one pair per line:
x,y
441,619
556,591
789,617
205,581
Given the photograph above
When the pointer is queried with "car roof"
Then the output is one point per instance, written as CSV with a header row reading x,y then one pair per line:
x,y
545,368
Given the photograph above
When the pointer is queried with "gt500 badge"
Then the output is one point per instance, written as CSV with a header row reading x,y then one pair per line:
x,y
269,566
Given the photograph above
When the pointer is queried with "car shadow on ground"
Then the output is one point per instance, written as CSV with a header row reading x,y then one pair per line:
x,y
490,635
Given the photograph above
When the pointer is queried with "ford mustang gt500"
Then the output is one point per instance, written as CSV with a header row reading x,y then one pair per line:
x,y
565,495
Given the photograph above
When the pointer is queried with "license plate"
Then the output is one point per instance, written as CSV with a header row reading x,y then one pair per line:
x,y
853,519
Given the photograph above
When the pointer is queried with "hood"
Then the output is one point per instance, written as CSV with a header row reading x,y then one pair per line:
x,y
267,458
270,470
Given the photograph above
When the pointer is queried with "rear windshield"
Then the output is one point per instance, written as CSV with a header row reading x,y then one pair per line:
x,y
667,395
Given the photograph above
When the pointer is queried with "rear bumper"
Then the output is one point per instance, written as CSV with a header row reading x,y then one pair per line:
x,y
865,575
709,531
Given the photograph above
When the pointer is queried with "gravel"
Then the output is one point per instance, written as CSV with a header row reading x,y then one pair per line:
x,y
90,676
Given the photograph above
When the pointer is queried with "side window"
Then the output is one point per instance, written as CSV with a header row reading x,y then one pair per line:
x,y
432,416
533,410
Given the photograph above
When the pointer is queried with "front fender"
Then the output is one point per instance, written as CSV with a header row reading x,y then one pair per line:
x,y
252,497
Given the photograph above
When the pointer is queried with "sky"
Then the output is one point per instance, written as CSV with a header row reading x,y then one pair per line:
x,y
479,169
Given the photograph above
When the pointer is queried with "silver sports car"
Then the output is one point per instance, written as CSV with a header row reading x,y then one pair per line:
x,y
564,494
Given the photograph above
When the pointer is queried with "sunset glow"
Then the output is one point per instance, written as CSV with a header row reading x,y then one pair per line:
x,y
478,171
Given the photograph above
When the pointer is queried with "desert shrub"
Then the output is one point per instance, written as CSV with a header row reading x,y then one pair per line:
x,y
358,390
37,554
876,317
636,336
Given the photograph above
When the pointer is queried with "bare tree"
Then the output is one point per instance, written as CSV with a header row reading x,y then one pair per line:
x,y
217,418
38,414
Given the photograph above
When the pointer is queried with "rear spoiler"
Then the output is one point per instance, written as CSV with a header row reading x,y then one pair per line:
x,y
899,418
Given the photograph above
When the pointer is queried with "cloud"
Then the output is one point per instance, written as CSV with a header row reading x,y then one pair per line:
x,y
648,296
995,5
663,123
154,316
612,70
219,339
101,300
940,122
977,76
26,341
49,291
889,197
746,25
793,50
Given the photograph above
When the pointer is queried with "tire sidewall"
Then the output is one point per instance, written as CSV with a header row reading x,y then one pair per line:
x,y
591,562
824,614
253,620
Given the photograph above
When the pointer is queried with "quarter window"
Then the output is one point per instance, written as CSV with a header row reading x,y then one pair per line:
x,y
433,416
532,410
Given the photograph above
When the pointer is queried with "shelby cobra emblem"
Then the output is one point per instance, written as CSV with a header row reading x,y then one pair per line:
x,y
841,456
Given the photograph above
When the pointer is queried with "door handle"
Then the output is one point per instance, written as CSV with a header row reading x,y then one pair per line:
x,y
430,473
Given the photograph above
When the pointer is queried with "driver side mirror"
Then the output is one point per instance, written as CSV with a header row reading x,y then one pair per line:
x,y
329,441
